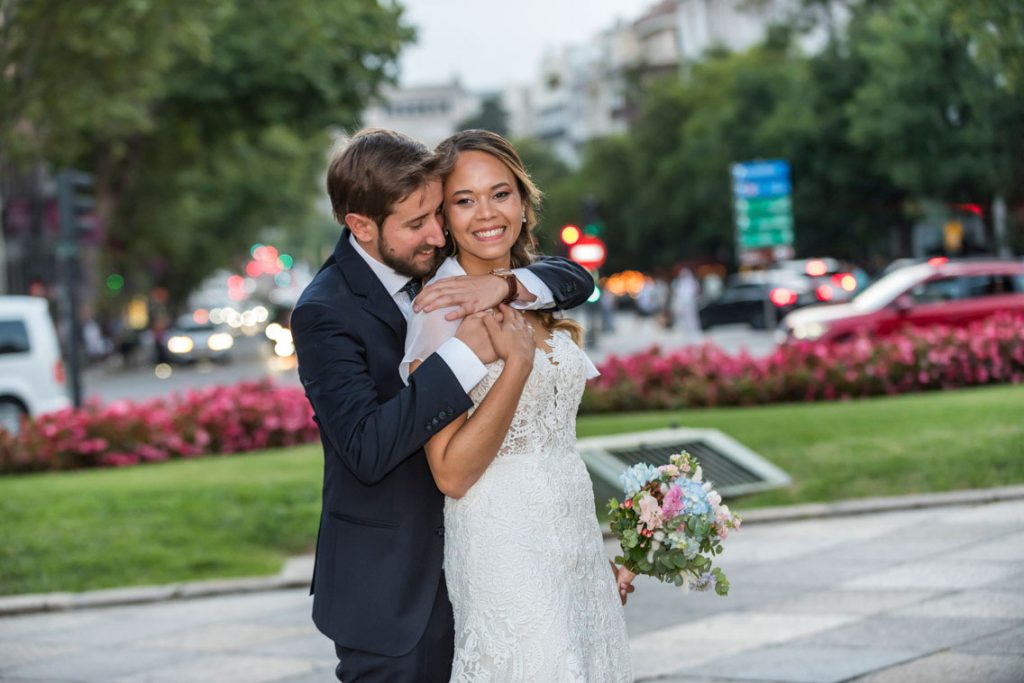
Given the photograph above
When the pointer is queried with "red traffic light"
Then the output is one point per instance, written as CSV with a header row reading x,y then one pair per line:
x,y
571,234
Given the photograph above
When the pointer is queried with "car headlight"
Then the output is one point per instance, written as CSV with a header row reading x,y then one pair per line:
x,y
808,332
222,341
180,344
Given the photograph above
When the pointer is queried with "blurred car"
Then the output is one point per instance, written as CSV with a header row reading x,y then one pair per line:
x,y
31,368
191,339
832,281
939,291
757,298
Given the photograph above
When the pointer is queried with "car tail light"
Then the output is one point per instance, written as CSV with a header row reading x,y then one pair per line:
x,y
58,371
816,267
824,293
937,260
845,280
780,296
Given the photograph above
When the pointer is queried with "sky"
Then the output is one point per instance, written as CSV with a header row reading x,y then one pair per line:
x,y
489,44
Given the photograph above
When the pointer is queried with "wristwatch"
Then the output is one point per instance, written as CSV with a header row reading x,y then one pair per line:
x,y
513,285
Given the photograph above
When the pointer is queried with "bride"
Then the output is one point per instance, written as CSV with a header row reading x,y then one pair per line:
x,y
524,562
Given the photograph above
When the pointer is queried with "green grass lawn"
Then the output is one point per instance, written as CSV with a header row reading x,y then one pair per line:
x,y
243,515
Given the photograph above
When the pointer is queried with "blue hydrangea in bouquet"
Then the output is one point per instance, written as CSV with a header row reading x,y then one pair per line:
x,y
671,523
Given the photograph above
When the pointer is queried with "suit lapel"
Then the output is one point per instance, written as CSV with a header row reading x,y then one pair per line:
x,y
363,282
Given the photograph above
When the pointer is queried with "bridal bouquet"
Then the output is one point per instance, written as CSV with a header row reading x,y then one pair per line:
x,y
672,523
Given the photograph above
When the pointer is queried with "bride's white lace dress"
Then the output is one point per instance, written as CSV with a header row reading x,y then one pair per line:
x,y
533,594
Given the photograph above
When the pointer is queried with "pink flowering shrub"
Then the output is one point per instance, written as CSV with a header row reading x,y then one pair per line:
x,y
985,352
217,420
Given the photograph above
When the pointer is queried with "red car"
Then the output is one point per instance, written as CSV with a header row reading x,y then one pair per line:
x,y
937,292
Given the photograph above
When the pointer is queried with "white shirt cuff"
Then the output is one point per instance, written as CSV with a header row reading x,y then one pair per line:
x,y
534,285
463,362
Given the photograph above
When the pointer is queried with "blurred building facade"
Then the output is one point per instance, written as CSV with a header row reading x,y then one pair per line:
x,y
428,113
583,91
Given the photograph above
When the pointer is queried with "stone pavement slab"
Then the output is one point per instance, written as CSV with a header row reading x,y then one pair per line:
x,y
812,600
953,666
802,664
1010,642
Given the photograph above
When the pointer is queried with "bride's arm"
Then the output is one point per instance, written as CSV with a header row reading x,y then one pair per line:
x,y
459,453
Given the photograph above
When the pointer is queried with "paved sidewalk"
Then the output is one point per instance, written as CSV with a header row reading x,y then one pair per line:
x,y
929,595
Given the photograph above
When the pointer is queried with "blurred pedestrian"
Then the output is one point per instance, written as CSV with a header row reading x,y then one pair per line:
x,y
685,302
607,302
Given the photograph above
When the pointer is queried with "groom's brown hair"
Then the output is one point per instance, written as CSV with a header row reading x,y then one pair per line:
x,y
374,170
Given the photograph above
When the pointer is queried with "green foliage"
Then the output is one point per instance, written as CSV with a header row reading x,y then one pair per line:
x,y
492,116
931,115
995,31
204,122
79,72
913,100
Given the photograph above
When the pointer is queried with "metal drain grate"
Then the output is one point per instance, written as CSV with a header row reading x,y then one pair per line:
x,y
734,469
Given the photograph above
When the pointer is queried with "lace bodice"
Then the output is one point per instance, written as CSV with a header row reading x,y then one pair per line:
x,y
545,421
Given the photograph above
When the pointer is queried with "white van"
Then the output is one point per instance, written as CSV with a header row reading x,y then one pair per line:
x,y
31,369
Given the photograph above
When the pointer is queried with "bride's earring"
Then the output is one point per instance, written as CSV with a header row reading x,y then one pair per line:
x,y
523,219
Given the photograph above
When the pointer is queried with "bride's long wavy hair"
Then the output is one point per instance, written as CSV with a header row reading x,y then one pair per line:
x,y
524,251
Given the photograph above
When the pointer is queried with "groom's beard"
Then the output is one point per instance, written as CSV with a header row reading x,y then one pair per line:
x,y
414,265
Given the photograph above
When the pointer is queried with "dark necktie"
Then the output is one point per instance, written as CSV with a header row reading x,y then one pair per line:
x,y
412,288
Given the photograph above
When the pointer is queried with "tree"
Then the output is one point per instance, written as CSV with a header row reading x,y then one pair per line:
x,y
211,135
492,116
940,124
995,33
75,73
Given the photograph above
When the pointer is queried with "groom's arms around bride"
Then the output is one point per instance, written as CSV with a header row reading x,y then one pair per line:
x,y
474,293
372,428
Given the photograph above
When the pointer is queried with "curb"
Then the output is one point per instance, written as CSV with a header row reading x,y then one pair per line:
x,y
867,506
297,571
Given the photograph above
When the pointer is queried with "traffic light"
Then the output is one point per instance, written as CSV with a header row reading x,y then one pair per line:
x,y
570,235
77,223
76,207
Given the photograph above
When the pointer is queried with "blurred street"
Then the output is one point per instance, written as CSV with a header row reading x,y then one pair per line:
x,y
253,359
911,595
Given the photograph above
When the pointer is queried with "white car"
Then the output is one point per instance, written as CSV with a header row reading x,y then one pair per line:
x,y
31,368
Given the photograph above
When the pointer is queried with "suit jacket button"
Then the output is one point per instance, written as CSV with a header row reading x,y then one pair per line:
x,y
441,415
439,531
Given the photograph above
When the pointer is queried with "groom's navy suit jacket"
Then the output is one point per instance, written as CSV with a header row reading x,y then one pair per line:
x,y
380,543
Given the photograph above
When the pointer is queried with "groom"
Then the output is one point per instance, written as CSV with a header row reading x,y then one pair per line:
x,y
378,589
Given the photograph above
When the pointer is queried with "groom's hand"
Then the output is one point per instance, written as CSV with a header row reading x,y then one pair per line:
x,y
468,293
473,333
